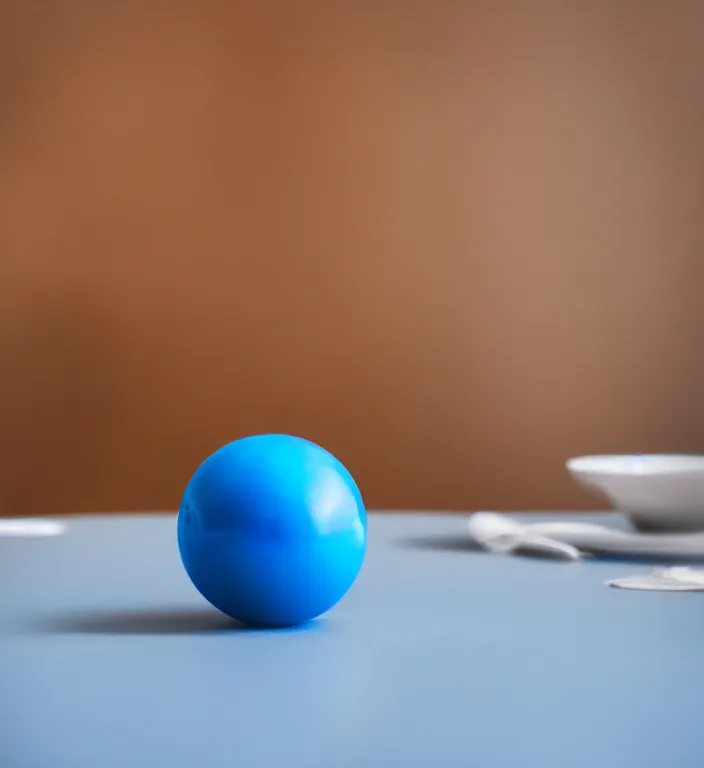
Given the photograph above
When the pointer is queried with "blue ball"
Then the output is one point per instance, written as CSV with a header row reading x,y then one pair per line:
x,y
272,530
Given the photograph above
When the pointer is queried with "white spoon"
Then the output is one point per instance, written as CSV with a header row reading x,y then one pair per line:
x,y
571,539
500,534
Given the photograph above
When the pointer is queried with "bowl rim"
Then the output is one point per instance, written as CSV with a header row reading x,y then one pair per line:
x,y
637,464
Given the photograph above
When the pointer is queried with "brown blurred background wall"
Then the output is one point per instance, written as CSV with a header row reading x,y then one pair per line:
x,y
454,242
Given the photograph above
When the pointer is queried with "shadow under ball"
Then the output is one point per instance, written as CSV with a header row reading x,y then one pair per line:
x,y
272,530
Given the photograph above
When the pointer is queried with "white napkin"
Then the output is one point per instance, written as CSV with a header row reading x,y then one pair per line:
x,y
664,580
573,540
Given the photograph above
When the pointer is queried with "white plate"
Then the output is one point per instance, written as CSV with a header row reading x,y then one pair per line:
x,y
32,527
658,492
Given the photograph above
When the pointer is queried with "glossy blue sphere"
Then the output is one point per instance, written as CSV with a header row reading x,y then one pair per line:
x,y
272,530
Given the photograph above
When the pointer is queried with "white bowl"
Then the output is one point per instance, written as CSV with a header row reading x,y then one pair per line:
x,y
658,492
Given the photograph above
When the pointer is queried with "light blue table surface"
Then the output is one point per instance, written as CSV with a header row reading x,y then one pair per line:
x,y
439,657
